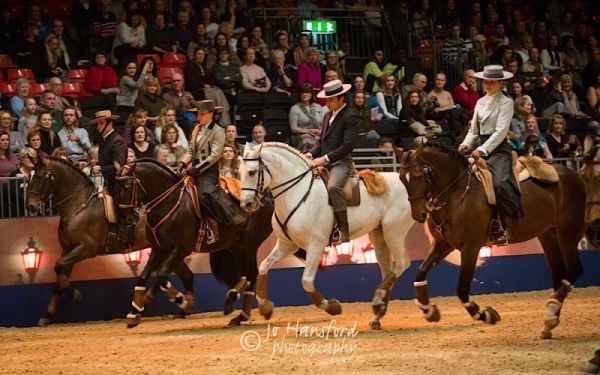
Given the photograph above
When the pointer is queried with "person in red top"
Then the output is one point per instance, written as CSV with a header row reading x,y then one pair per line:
x,y
100,78
465,93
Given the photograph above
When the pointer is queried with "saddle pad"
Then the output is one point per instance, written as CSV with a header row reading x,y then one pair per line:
x,y
537,169
231,186
374,182
484,176
109,207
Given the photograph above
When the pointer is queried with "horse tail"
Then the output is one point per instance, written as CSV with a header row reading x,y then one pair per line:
x,y
224,267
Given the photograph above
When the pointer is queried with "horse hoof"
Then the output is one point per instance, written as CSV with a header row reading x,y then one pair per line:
x,y
551,323
375,326
433,314
545,334
187,306
133,320
490,316
380,309
43,322
266,309
590,368
333,307
237,321
228,308
77,296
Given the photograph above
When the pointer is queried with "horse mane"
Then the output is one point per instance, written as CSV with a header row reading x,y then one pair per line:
x,y
72,167
160,165
449,150
287,147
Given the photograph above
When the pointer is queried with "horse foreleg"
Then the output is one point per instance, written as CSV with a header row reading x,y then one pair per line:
x,y
187,278
280,251
138,304
234,294
467,271
313,257
553,308
437,253
52,306
245,314
173,295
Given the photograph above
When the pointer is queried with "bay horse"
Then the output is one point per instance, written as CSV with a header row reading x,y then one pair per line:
x,y
590,175
303,219
83,228
151,189
442,190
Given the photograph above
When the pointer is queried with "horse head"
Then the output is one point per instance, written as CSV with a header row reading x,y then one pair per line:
x,y
40,187
413,174
254,180
590,174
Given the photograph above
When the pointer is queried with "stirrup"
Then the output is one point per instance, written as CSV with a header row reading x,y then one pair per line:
x,y
210,236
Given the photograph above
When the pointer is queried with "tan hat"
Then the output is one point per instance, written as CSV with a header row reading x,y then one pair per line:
x,y
333,88
105,114
205,106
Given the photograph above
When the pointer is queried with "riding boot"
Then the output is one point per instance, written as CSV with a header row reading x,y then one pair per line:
x,y
499,233
212,231
342,224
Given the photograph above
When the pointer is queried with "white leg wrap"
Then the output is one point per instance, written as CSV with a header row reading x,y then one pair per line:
x,y
553,306
140,288
417,284
167,288
566,282
249,293
476,316
379,296
132,316
486,316
324,304
183,303
422,306
135,306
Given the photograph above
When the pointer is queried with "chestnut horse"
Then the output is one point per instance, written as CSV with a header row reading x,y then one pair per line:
x,y
590,174
443,191
83,229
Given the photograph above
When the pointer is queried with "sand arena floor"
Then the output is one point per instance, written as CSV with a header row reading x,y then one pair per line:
x,y
295,341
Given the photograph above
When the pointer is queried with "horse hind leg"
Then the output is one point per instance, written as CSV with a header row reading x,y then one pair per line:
x,y
560,277
280,251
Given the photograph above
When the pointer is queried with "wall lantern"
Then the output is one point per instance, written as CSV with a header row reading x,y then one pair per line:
x,y
31,259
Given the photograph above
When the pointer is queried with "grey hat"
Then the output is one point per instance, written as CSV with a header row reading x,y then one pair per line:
x,y
494,73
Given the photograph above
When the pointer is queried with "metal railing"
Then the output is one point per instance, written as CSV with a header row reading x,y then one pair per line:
x,y
13,189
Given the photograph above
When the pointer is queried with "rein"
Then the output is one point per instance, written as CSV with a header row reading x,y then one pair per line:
x,y
50,177
260,189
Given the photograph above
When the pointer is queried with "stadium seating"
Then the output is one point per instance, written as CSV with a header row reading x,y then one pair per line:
x,y
14,74
76,75
174,60
165,74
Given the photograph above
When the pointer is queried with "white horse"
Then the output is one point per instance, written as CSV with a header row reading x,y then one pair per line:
x,y
303,219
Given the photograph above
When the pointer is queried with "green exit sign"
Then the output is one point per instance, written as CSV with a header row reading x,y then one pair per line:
x,y
320,26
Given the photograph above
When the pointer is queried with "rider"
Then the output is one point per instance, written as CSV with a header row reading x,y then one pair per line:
x,y
112,155
490,124
206,145
334,149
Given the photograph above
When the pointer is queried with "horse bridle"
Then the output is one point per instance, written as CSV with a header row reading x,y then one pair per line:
x,y
49,176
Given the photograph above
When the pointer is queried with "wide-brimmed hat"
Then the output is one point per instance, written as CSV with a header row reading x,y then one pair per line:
x,y
333,88
105,114
494,73
205,106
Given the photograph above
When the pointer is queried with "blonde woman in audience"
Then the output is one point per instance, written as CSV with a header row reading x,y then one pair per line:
x,y
166,117
28,117
150,99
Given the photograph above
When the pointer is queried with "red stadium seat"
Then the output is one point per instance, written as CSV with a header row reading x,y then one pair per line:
x,y
155,57
37,88
72,90
165,74
76,75
6,61
14,74
174,60
8,89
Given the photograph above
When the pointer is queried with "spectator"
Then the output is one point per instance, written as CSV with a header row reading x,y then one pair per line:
x,y
389,100
258,43
195,75
74,140
27,157
572,56
533,69
130,156
55,85
332,63
166,117
419,82
82,17
533,142
48,103
373,70
140,145
160,37
282,44
34,141
104,27
367,136
551,57
130,39
129,86
523,108
540,35
477,40
9,31
558,141
465,93
565,100
53,63
209,22
27,48
201,40
279,75
386,150
182,101
231,135
139,117
566,27
169,138
306,118
242,44
67,44
228,79
591,70
6,125
591,44
221,43
28,117
259,132
17,102
235,17
310,71
300,51
184,32
151,71
456,50
443,110
254,78
229,164
50,141
413,114
593,98
150,99
8,161
330,75
101,81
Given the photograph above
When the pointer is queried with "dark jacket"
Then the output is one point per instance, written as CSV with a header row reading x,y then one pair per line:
x,y
337,140
112,150
195,79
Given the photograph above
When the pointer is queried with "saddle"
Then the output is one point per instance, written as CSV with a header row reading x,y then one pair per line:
x,y
374,183
109,207
524,167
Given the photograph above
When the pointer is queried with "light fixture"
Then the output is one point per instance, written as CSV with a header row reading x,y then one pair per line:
x,y
133,260
31,259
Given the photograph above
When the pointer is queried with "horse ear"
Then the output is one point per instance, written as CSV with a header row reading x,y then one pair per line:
x,y
419,150
398,151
